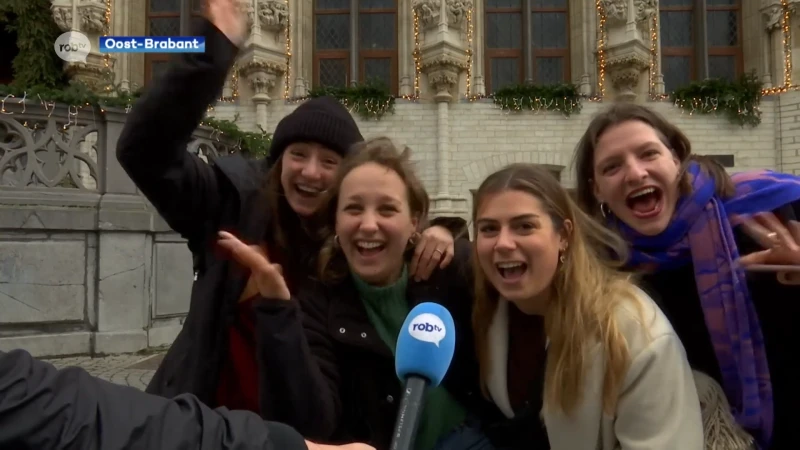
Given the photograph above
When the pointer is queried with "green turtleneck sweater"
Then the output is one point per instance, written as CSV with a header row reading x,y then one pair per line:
x,y
387,308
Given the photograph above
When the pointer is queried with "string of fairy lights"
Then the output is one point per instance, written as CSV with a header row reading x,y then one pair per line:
x,y
379,106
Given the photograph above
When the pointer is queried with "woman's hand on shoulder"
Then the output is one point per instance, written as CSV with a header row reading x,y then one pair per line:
x,y
435,248
267,276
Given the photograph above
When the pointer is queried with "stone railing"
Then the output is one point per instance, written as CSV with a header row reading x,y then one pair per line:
x,y
86,264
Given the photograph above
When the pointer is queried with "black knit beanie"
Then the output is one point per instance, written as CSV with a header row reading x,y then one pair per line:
x,y
322,120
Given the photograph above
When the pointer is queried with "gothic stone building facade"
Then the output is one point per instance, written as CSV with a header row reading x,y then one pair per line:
x,y
121,280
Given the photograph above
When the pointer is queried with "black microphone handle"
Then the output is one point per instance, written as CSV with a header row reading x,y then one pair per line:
x,y
409,413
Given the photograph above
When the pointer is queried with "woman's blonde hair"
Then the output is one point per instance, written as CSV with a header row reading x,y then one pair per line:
x,y
587,288
332,265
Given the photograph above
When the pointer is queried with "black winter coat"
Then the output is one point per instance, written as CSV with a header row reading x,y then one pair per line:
x,y
197,199
43,408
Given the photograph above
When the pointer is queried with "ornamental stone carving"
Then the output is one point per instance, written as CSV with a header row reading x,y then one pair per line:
x,y
772,11
92,14
262,75
273,15
442,71
646,10
457,12
428,11
62,16
625,73
616,10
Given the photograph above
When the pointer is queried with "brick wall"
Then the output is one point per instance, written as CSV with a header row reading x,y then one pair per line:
x,y
483,138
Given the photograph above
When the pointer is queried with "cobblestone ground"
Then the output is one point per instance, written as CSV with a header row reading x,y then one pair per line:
x,y
129,370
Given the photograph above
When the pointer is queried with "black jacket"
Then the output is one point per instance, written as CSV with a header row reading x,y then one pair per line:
x,y
197,199
778,308
364,405
42,408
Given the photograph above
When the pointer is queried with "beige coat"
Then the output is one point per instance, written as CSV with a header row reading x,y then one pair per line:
x,y
658,407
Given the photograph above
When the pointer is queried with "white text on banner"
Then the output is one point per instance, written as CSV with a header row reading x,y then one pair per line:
x,y
152,44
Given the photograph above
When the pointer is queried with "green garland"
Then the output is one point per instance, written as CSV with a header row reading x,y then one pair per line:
x,y
564,98
36,64
251,144
738,100
254,145
370,100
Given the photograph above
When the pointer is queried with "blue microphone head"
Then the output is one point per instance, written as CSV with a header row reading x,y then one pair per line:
x,y
426,343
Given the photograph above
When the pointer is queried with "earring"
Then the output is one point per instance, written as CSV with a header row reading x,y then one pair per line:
x,y
412,240
336,241
603,208
561,258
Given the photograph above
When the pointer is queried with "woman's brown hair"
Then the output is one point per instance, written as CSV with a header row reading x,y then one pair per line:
x,y
670,135
332,265
588,292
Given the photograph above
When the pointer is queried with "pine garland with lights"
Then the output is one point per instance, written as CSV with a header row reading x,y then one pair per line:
x,y
738,100
370,100
251,144
564,98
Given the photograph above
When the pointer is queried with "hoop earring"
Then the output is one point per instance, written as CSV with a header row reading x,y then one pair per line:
x,y
561,258
412,240
336,241
603,208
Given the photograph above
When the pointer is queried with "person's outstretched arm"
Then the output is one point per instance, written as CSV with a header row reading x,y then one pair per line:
x,y
44,408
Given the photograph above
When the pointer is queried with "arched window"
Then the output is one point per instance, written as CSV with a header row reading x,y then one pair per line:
x,y
163,19
337,61
700,39
532,46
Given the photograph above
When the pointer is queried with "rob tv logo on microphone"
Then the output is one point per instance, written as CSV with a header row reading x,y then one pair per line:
x,y
427,327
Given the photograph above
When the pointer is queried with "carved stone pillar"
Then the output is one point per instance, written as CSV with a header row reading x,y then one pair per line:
x,y
263,62
628,52
444,59
772,54
263,76
89,18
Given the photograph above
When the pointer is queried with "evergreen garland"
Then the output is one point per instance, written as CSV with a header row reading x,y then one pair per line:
x,y
36,64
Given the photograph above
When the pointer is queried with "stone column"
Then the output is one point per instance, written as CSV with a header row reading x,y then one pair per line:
x,y
628,48
772,44
263,62
444,58
88,17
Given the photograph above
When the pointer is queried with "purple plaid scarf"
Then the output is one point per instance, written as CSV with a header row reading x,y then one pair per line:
x,y
701,232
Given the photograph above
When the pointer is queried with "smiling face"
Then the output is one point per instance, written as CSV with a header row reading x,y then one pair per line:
x,y
307,170
518,248
636,175
374,222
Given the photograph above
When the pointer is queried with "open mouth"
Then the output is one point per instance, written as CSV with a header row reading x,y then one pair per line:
x,y
369,248
645,202
511,271
307,191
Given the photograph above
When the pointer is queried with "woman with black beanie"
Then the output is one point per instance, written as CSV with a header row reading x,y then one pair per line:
x,y
226,353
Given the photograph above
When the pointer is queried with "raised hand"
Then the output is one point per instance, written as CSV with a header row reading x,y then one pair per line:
x,y
229,17
780,241
267,276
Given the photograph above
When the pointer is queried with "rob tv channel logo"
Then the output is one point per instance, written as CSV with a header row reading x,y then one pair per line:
x,y
152,44
427,327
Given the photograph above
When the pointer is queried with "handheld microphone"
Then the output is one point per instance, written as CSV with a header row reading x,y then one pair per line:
x,y
424,352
